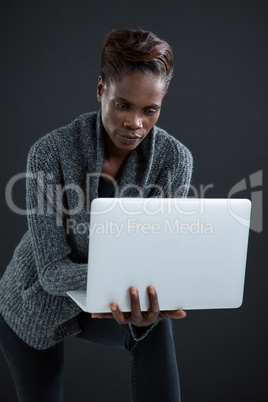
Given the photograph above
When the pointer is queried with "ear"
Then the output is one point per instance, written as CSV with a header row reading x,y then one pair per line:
x,y
100,88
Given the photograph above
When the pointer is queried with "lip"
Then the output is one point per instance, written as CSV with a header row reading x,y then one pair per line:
x,y
129,136
128,139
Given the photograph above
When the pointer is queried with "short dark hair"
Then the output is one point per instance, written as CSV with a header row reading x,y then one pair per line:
x,y
126,51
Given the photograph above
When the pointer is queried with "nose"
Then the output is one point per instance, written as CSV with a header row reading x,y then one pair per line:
x,y
133,121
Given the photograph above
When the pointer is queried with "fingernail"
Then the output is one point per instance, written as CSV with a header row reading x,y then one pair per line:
x,y
113,306
133,290
152,290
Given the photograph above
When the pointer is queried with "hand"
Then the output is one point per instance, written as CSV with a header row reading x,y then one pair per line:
x,y
138,317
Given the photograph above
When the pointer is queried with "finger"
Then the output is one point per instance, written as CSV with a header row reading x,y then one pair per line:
x,y
102,315
135,304
117,314
176,314
153,310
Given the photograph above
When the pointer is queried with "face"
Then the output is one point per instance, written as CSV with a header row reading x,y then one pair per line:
x,y
130,108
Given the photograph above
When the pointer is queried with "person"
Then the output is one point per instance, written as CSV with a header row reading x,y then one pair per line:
x,y
81,161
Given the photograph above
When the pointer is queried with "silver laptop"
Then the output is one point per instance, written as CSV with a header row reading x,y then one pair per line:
x,y
193,251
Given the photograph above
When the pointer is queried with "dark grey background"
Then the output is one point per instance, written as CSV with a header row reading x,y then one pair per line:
x,y
217,106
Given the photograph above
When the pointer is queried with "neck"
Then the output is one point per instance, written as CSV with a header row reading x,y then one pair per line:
x,y
114,159
112,153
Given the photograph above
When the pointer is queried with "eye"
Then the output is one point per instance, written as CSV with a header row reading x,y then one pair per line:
x,y
121,106
150,112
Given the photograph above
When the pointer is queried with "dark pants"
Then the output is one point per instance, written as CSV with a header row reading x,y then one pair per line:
x,y
38,374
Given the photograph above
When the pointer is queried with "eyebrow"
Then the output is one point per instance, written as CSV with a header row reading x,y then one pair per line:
x,y
156,106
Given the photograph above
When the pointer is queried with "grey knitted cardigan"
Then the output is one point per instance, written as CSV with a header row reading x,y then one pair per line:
x,y
48,261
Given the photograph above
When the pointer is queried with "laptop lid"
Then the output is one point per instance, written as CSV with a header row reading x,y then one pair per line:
x,y
193,251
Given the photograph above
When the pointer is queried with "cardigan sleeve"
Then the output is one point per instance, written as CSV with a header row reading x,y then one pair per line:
x,y
57,273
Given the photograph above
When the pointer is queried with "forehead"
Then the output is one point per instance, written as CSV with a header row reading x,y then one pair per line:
x,y
139,87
